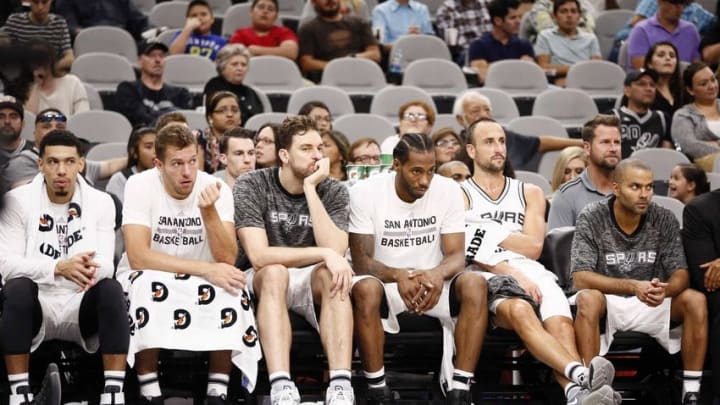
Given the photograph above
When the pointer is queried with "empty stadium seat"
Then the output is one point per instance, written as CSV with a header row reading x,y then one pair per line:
x,y
189,71
256,121
714,180
107,150
274,75
519,78
660,160
104,71
100,126
167,36
447,120
502,104
237,16
336,99
94,98
674,205
145,5
387,101
356,76
537,125
356,126
195,119
534,178
602,80
436,76
414,47
28,126
607,25
572,107
169,14
106,39
219,7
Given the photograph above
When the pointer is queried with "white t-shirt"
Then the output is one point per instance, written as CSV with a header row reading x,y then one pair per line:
x,y
407,235
176,226
69,96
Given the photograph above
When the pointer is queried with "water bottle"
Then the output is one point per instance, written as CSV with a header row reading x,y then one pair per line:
x,y
396,61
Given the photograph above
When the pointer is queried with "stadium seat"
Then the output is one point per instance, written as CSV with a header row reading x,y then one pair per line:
x,y
100,126
447,120
534,178
714,180
607,25
503,106
519,78
106,39
167,36
537,125
627,4
555,255
387,101
237,16
716,165
572,107
660,160
336,99
623,61
356,126
356,76
547,164
169,14
189,71
274,75
674,205
107,150
28,126
264,99
145,5
414,47
439,77
104,71
195,119
600,79
290,9
94,98
258,120
219,7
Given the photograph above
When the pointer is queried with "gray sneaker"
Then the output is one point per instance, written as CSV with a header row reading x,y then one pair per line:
x,y
339,395
602,396
287,395
600,372
50,391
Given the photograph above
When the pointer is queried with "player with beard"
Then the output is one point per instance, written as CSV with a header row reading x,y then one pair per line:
x,y
500,205
292,222
601,141
11,125
629,268
333,35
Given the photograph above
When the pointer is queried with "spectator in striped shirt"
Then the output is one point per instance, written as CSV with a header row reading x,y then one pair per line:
x,y
40,24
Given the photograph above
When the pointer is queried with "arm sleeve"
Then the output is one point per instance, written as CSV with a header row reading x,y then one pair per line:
x,y
336,200
183,100
561,212
80,102
683,133
646,8
672,255
249,202
13,240
584,252
542,45
699,239
116,185
595,47
476,51
425,20
378,21
224,205
238,37
368,37
105,243
286,34
454,221
64,32
306,39
638,42
361,215
136,207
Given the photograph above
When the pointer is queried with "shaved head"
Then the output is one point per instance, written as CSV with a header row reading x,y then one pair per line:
x,y
626,165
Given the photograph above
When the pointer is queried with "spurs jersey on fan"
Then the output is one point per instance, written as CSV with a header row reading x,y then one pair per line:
x,y
508,208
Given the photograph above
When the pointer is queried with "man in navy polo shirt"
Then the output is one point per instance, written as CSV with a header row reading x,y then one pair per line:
x,y
502,42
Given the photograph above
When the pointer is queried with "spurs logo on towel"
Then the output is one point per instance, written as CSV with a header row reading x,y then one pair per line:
x,y
74,211
182,319
131,323
206,294
46,223
228,317
250,336
245,301
180,276
142,317
159,291
134,276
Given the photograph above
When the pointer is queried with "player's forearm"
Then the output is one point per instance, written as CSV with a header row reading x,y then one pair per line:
x,y
221,240
677,283
326,233
148,259
287,256
525,245
368,266
451,265
585,280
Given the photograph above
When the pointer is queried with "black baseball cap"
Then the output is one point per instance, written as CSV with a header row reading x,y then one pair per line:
x,y
635,75
12,103
148,46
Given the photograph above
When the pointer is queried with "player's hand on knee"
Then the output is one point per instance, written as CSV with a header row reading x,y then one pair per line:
x,y
530,287
342,274
209,195
226,276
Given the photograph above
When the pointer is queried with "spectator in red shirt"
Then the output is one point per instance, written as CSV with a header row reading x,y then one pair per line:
x,y
263,37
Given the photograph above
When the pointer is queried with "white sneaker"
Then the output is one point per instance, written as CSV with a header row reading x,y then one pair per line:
x,y
339,395
112,396
286,395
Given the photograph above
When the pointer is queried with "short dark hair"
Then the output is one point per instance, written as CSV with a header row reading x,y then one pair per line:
x,y
559,3
693,173
471,129
175,135
214,99
194,3
412,142
275,2
275,130
688,74
133,144
168,117
501,8
60,137
588,129
627,164
311,105
291,126
236,133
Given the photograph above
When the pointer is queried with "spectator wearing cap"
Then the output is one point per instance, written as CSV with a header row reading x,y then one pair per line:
x,y
196,37
24,166
144,100
641,127
123,14
40,24
11,125
665,25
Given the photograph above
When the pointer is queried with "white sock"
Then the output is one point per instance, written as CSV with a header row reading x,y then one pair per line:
x,y
340,377
279,379
461,380
114,378
18,380
375,379
576,372
149,385
217,384
691,381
